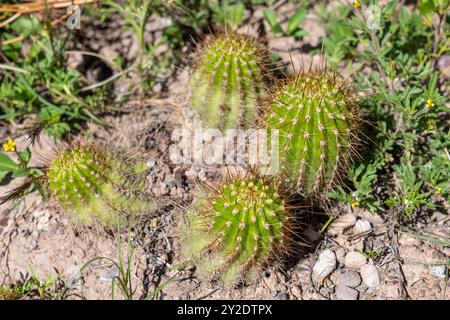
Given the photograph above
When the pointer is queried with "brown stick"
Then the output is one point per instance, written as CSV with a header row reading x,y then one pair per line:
x,y
41,5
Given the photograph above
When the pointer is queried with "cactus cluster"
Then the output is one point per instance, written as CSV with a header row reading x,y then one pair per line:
x,y
317,122
91,182
227,83
241,225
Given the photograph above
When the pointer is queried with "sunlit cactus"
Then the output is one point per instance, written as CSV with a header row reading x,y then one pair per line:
x,y
318,129
239,226
89,181
227,83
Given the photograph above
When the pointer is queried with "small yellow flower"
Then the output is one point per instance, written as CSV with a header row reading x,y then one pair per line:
x,y
438,191
430,104
356,4
9,146
355,203
425,22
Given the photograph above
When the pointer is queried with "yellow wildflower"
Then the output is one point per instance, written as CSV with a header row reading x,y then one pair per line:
x,y
438,191
356,4
430,104
9,146
355,203
425,22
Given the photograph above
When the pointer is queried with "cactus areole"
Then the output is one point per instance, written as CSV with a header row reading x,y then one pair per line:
x,y
227,82
238,228
317,122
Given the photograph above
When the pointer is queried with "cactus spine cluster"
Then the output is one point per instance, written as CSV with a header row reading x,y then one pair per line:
x,y
92,182
237,228
227,83
317,122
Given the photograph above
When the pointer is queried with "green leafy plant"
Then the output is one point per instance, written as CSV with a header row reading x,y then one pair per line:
x,y
19,167
227,82
293,22
34,287
396,64
232,231
40,85
362,178
409,196
228,14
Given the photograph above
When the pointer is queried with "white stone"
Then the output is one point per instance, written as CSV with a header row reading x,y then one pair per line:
x,y
354,260
362,226
438,272
370,275
349,278
346,293
324,266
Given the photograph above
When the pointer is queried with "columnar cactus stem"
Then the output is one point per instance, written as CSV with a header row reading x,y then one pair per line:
x,y
89,182
318,128
227,83
241,225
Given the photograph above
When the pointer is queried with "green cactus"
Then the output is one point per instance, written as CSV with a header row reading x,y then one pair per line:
x,y
233,230
227,82
91,182
318,129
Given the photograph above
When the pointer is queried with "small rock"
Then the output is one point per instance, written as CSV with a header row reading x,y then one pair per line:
x,y
43,220
438,272
354,260
349,278
346,293
362,226
324,266
370,275
150,164
342,224
340,255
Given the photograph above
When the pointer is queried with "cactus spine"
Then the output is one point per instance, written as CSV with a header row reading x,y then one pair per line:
x,y
240,226
227,83
92,182
318,124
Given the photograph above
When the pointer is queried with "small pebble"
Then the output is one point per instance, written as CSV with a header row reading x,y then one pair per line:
x,y
340,255
349,278
370,275
438,272
354,260
346,293
324,266
362,226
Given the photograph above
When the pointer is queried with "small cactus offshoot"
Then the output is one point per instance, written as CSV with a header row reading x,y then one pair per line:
x,y
227,82
91,182
240,226
318,130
